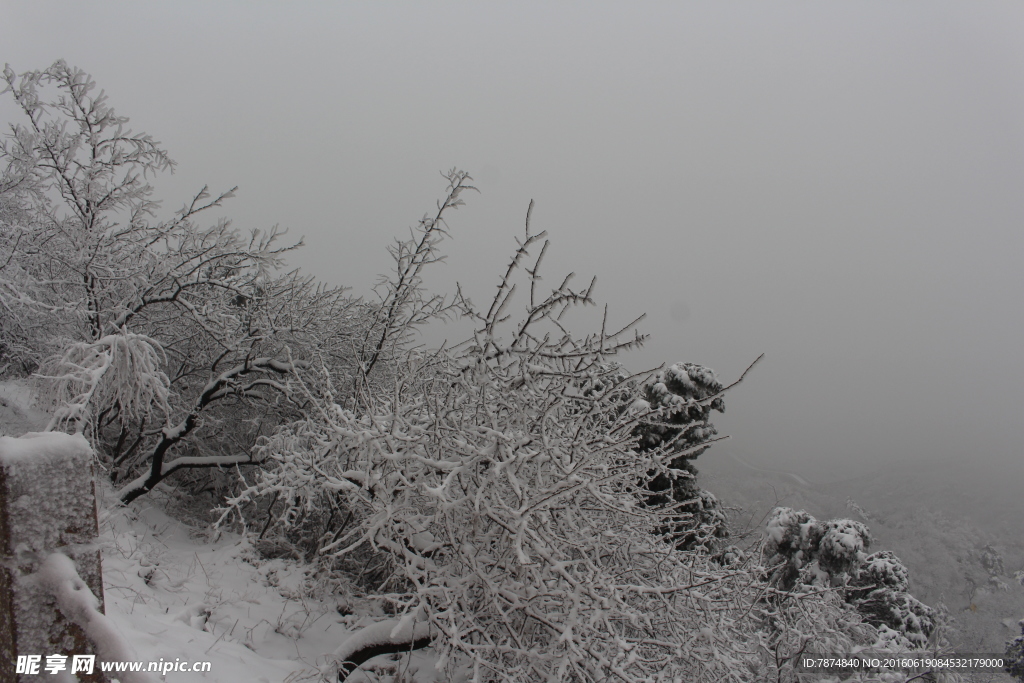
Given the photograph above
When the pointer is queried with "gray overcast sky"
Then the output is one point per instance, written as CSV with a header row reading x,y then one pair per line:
x,y
839,185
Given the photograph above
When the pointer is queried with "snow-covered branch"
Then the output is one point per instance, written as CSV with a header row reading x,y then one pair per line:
x,y
222,386
391,636
122,370
403,305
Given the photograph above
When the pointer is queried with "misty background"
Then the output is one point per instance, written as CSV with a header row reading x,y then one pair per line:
x,y
837,185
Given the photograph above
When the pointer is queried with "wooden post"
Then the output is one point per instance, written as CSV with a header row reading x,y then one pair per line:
x,y
47,504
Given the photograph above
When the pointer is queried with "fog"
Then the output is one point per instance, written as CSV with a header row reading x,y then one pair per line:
x,y
836,185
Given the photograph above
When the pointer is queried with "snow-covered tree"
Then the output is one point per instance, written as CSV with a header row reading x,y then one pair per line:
x,y
805,551
145,330
1015,654
680,423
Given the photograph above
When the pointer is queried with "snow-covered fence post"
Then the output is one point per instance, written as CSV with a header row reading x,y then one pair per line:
x,y
47,504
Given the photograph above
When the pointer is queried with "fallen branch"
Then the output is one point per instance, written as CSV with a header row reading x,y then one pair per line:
x,y
392,636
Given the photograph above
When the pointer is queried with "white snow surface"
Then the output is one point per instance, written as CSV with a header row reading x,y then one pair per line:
x,y
177,594
77,603
39,446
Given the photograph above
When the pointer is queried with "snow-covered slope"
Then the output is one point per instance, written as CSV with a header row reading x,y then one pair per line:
x,y
176,593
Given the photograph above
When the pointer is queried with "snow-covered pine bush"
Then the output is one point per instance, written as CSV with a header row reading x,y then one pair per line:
x,y
811,552
806,552
880,570
991,560
680,422
502,480
1015,654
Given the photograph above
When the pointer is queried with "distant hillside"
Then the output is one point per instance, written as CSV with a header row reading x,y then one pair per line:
x,y
959,530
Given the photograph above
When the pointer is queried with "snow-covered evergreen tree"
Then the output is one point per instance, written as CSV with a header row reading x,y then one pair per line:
x,y
681,399
1015,655
805,551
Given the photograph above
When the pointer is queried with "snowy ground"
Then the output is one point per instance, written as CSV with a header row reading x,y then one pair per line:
x,y
176,593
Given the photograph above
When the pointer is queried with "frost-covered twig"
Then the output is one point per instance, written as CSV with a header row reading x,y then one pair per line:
x,y
402,305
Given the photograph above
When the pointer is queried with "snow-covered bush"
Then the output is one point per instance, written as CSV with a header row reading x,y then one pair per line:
x,y
899,611
806,552
680,423
881,570
812,552
502,481
1015,655
124,370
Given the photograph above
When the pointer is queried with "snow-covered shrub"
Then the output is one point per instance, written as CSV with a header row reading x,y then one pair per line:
x,y
791,544
1015,655
502,479
123,370
805,622
808,552
841,547
805,550
881,570
879,590
680,423
901,612
301,516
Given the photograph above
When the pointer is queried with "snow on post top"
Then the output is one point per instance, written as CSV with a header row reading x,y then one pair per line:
x,y
47,492
36,446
